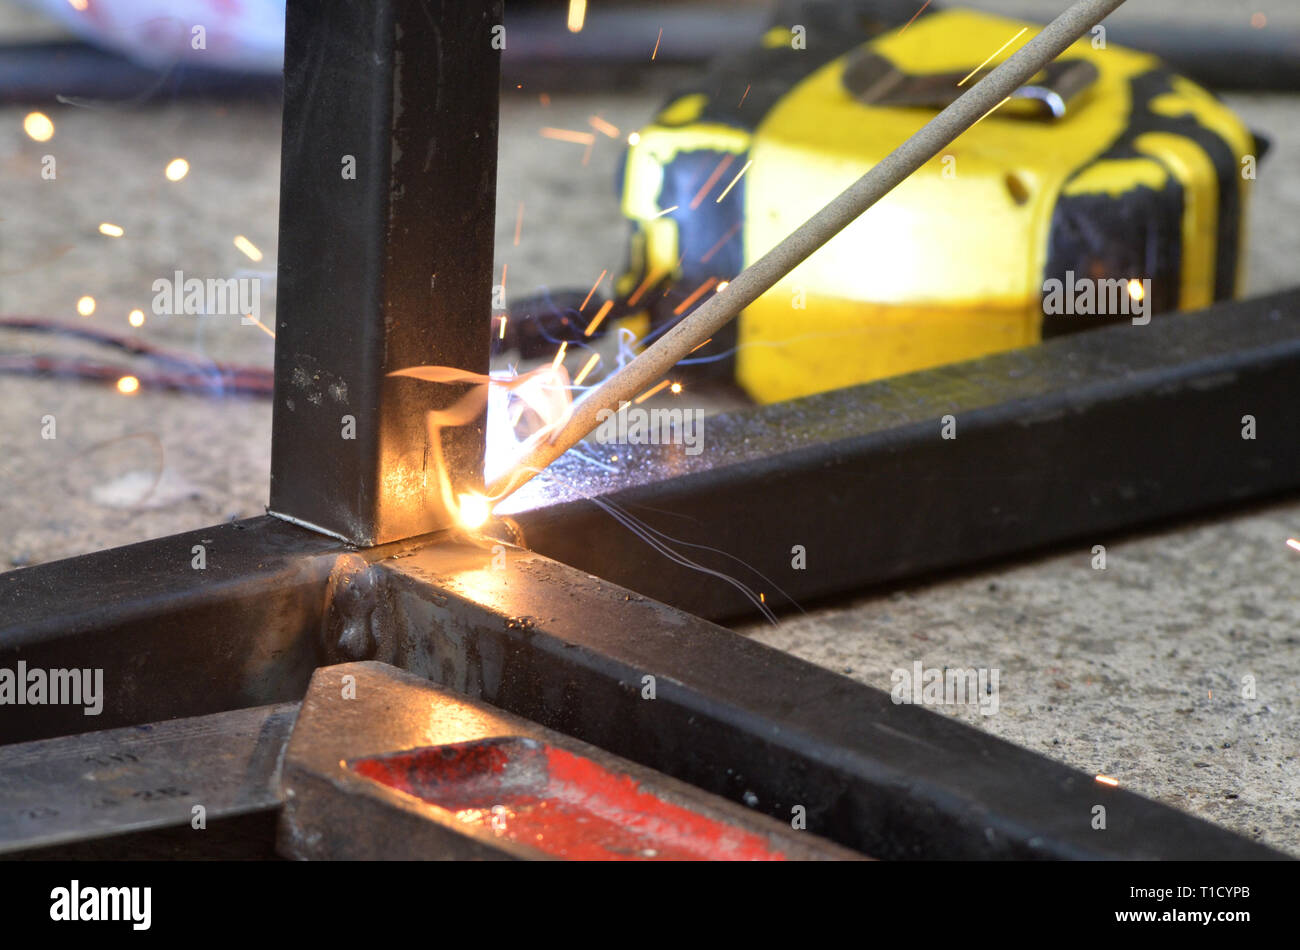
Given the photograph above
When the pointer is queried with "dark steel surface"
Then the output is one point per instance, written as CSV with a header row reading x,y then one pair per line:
x,y
123,781
549,643
171,640
332,811
390,270
1071,440
569,651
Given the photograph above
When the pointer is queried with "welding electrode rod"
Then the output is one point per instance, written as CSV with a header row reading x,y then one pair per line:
x,y
655,363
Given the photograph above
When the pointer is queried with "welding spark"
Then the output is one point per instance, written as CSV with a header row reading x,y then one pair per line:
x,y
128,385
474,510
735,228
135,318
86,306
568,135
650,279
79,5
657,42
1258,21
583,373
989,113
519,223
914,16
502,334
1293,544
675,389
559,357
176,169
545,391
666,211
726,191
603,127
250,249
603,312
634,138
255,321
650,392
744,96
592,292
1107,780
1136,290
112,230
990,59
712,180
700,291
38,126
723,285
577,15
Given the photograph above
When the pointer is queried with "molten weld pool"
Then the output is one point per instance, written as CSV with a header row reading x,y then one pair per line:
x,y
562,804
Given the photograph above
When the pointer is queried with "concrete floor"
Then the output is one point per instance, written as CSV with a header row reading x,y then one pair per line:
x,y
1134,672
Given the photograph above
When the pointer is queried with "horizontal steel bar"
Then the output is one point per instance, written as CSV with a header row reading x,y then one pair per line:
x,y
121,781
172,638
549,643
1073,439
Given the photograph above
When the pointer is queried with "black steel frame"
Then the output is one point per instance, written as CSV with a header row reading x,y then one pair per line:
x,y
1068,440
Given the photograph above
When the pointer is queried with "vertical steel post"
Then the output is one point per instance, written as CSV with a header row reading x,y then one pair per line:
x,y
387,199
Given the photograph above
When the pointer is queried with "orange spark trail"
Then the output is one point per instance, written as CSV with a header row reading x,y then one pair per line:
x,y
582,373
717,247
592,292
650,392
651,277
914,16
261,326
568,135
700,291
603,127
604,310
712,180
